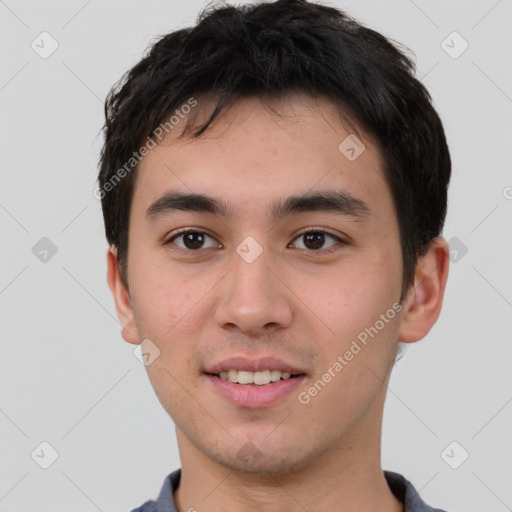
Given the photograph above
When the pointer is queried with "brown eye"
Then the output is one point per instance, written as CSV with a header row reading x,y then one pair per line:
x,y
314,240
192,240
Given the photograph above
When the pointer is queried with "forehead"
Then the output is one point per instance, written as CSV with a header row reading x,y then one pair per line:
x,y
259,152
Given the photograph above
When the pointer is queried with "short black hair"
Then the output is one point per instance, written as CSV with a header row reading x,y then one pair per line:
x,y
271,49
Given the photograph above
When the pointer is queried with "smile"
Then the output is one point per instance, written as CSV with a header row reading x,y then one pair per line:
x,y
259,378
252,391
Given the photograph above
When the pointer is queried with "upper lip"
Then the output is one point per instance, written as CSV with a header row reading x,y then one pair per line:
x,y
253,365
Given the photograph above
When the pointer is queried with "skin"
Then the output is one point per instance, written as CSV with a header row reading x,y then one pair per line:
x,y
292,302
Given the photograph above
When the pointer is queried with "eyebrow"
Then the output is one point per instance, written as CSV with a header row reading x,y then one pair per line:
x,y
339,202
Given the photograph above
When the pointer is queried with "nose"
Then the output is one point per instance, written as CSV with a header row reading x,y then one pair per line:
x,y
253,298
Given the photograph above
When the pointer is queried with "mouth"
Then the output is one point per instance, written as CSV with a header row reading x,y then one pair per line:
x,y
254,382
254,390
258,378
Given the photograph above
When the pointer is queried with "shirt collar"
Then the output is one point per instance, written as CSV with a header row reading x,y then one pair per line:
x,y
400,487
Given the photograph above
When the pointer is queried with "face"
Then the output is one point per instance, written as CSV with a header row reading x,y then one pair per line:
x,y
266,283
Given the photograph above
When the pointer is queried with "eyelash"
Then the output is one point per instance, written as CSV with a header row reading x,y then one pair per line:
x,y
334,248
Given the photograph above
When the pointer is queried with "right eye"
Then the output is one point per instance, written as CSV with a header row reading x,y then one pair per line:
x,y
191,240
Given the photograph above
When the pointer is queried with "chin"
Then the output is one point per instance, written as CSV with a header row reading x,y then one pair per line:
x,y
265,462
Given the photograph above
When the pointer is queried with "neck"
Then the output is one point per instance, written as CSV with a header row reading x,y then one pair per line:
x,y
347,477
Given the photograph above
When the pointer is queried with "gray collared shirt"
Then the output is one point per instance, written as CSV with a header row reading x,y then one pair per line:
x,y
400,487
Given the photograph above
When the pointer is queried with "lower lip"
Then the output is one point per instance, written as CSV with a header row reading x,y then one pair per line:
x,y
254,396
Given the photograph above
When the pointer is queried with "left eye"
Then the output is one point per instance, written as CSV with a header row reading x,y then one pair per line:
x,y
314,240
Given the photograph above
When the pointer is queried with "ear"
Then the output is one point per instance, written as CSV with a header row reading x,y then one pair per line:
x,y
121,298
423,303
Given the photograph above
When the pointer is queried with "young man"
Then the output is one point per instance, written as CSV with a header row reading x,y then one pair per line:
x,y
274,184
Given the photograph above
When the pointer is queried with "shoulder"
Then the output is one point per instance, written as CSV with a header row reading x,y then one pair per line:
x,y
165,500
407,494
149,506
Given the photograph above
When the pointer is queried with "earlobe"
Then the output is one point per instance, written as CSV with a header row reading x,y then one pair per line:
x,y
423,304
121,298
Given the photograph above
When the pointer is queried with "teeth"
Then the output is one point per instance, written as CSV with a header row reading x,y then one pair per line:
x,y
245,377
275,375
259,378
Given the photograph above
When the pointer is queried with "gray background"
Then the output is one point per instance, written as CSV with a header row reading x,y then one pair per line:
x,y
66,375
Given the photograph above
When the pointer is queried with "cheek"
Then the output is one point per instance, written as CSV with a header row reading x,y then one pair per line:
x,y
350,302
164,300
166,312
172,311
353,297
357,357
